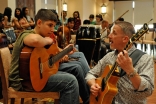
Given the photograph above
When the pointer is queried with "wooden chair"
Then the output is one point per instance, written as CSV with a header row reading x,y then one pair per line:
x,y
9,92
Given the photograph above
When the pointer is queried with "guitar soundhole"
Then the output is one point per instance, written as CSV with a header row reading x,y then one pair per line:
x,y
50,61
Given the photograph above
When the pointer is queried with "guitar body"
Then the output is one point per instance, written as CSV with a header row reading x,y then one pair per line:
x,y
44,63
106,96
40,71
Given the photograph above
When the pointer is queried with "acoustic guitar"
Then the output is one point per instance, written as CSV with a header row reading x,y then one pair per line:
x,y
44,63
110,76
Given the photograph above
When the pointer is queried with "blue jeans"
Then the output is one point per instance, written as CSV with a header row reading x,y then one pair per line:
x,y
66,84
79,69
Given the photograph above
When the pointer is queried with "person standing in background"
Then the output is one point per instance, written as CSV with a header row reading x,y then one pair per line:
x,y
65,19
77,21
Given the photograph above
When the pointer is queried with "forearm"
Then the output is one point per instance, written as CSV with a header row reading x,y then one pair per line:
x,y
136,80
91,82
35,40
25,25
31,24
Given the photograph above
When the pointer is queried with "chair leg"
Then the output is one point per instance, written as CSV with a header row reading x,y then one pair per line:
x,y
22,100
56,101
5,100
12,100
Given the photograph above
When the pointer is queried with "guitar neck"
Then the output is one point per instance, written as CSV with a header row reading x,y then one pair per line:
x,y
111,71
61,54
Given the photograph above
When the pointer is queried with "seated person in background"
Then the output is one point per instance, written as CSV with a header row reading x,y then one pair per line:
x,y
30,20
137,82
86,22
62,82
20,22
78,68
91,19
7,18
63,41
104,35
98,19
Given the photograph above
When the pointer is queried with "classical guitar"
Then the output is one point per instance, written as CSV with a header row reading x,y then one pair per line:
x,y
44,63
110,76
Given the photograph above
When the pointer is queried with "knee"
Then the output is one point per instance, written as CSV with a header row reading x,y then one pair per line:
x,y
81,54
73,80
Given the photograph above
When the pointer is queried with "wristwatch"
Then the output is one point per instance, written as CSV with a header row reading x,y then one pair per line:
x,y
132,74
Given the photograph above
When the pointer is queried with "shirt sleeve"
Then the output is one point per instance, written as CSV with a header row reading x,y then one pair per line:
x,y
145,69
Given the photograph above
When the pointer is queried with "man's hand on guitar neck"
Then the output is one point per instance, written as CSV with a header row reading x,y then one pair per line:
x,y
125,62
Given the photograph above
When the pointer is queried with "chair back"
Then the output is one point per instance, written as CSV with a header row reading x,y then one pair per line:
x,y
5,60
149,36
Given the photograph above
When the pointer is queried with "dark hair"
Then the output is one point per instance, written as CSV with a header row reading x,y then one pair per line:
x,y
91,16
8,13
18,16
121,19
99,16
70,19
45,15
77,13
58,22
86,22
23,11
1,16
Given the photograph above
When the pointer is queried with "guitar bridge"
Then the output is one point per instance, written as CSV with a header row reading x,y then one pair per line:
x,y
40,67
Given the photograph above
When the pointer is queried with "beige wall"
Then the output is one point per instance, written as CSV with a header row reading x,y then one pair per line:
x,y
87,7
3,4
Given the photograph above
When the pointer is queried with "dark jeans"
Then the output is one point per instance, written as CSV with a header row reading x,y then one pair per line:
x,y
66,84
79,69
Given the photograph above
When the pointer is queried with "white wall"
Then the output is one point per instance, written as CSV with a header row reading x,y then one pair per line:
x,y
12,5
38,5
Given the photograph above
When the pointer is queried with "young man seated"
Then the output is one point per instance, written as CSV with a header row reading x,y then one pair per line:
x,y
64,82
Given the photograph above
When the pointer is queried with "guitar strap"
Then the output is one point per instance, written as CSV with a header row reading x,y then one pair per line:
x,y
135,55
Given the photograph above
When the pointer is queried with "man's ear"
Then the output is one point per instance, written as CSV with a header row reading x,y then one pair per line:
x,y
39,22
126,39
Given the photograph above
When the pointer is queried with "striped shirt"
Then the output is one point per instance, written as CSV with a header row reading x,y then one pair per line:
x,y
126,92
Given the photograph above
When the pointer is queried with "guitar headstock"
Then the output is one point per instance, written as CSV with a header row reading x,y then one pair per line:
x,y
140,33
